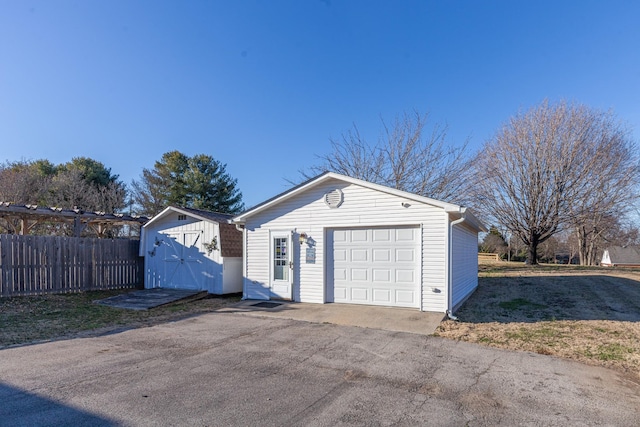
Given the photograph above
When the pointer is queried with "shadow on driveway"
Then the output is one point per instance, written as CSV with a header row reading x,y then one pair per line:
x,y
21,408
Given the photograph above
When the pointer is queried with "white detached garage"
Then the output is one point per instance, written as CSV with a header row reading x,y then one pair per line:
x,y
343,240
186,248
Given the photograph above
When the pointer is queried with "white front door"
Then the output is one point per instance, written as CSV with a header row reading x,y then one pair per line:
x,y
281,266
182,261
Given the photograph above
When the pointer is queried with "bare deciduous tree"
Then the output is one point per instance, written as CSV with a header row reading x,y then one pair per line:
x,y
23,182
589,241
82,182
613,188
406,157
555,166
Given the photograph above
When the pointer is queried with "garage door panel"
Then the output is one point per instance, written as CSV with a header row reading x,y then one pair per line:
x,y
381,235
382,296
340,274
339,235
405,255
359,255
359,236
382,275
405,276
340,293
360,294
405,234
359,274
382,255
378,266
340,255
406,297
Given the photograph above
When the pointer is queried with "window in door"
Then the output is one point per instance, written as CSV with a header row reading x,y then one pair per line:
x,y
280,259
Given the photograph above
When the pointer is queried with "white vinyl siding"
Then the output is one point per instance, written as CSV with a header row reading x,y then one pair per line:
x,y
434,261
465,263
257,264
362,207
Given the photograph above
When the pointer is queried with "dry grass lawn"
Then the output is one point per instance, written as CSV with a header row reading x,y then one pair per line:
x,y
591,315
40,318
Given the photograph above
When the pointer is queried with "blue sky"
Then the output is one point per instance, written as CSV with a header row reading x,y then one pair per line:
x,y
263,85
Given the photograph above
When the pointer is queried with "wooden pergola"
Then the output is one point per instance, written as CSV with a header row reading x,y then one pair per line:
x,y
22,218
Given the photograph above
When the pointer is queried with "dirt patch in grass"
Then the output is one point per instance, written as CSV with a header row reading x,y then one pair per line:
x,y
587,314
41,318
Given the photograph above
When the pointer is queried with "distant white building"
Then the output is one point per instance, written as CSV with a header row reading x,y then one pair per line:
x,y
618,256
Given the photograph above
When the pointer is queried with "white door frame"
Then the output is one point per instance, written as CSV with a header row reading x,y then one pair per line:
x,y
281,276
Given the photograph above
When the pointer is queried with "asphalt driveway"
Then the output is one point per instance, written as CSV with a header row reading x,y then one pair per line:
x,y
235,369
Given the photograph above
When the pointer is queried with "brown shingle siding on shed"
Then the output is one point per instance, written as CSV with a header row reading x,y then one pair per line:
x,y
231,245
230,236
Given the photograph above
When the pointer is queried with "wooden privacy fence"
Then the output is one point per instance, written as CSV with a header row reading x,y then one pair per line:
x,y
37,265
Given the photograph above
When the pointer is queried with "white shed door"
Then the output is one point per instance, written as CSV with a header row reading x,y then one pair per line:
x,y
183,265
377,266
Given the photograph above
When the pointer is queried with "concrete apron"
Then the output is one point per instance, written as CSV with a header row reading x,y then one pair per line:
x,y
365,316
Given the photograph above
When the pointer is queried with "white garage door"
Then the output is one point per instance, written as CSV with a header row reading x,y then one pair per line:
x,y
378,266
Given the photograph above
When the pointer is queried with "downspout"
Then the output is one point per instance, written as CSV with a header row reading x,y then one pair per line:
x,y
421,266
450,284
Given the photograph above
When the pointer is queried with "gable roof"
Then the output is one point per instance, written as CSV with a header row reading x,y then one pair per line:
x,y
456,210
195,213
629,255
230,237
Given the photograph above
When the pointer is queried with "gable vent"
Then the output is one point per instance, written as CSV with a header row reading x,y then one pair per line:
x,y
334,198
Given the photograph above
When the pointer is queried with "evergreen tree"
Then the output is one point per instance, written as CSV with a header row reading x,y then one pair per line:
x,y
199,182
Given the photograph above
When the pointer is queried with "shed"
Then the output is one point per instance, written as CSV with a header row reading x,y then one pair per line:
x,y
621,256
187,248
337,239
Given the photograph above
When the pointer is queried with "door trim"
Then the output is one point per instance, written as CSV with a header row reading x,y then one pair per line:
x,y
287,284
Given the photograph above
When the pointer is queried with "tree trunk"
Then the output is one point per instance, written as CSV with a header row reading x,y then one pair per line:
x,y
592,252
587,245
582,245
532,258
